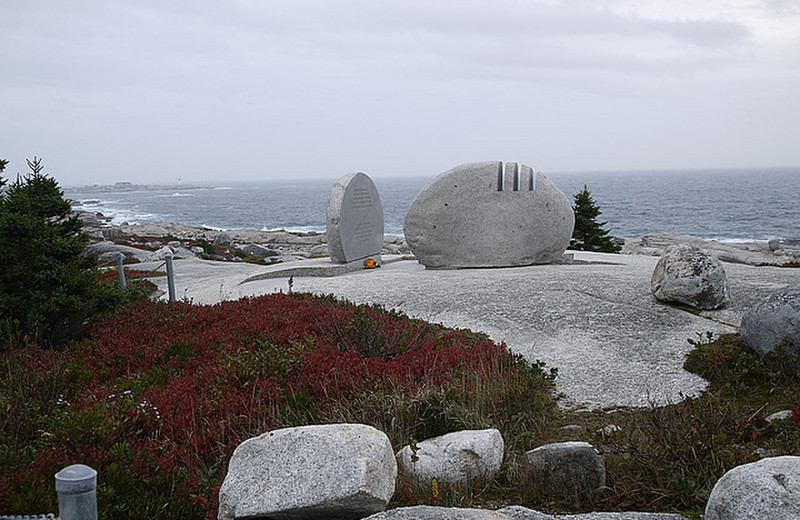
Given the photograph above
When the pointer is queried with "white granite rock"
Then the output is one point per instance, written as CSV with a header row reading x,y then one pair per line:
x,y
329,471
523,513
354,219
687,275
160,254
454,457
774,322
566,465
766,489
489,214
783,415
223,239
437,513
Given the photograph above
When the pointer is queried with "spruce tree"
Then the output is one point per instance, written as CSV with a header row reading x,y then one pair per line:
x,y
48,287
589,234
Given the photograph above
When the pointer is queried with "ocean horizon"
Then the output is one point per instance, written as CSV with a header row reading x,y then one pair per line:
x,y
745,204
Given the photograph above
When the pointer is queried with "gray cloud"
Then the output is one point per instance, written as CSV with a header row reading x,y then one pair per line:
x,y
151,88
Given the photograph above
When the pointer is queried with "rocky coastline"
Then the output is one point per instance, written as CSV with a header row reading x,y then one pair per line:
x,y
775,252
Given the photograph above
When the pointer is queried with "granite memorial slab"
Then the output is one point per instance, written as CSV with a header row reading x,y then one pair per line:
x,y
354,219
489,214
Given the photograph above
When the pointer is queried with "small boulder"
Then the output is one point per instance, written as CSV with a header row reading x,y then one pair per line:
x,y
223,239
437,513
783,415
112,232
338,471
766,489
161,254
772,326
454,457
566,465
687,275
259,251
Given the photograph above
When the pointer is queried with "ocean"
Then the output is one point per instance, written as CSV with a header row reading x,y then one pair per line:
x,y
728,205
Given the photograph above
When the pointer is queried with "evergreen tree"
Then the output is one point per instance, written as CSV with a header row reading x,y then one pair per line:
x,y
589,234
48,287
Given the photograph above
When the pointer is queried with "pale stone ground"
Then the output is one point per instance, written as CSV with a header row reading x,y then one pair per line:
x,y
595,320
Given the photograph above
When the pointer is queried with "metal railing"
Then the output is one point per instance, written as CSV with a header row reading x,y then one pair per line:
x,y
168,262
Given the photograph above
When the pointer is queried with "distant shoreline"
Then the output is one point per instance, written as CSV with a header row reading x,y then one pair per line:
x,y
118,187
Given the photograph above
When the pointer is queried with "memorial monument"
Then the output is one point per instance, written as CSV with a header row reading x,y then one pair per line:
x,y
489,214
354,220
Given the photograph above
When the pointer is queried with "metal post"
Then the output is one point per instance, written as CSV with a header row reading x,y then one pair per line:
x,y
170,278
76,486
121,269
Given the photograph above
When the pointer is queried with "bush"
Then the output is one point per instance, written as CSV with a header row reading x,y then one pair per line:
x,y
161,393
48,287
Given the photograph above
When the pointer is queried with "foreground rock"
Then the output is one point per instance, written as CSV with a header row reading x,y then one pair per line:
x,y
437,513
507,513
329,471
767,489
685,274
565,466
454,457
772,326
489,214
523,513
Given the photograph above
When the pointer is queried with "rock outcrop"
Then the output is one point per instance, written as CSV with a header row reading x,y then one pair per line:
x,y
489,214
566,465
328,471
454,457
772,326
750,253
768,489
687,275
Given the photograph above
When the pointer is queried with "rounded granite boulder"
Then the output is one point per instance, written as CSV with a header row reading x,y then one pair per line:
x,y
489,214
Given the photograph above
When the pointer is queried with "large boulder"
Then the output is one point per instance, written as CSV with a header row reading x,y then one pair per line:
x,y
489,214
566,465
772,326
687,275
766,489
454,457
338,471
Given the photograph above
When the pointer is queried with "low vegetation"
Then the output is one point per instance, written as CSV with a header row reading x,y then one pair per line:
x,y
161,393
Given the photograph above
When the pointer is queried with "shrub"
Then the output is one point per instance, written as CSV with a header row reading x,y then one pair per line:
x,y
161,393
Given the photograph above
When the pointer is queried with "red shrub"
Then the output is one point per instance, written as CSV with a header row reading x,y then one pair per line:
x,y
163,392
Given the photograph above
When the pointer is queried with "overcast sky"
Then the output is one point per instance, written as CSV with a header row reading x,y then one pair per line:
x,y
202,90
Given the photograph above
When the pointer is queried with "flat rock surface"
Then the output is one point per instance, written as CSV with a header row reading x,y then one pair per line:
x,y
595,320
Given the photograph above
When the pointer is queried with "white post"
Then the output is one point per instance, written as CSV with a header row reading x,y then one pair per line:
x,y
121,270
76,486
170,278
